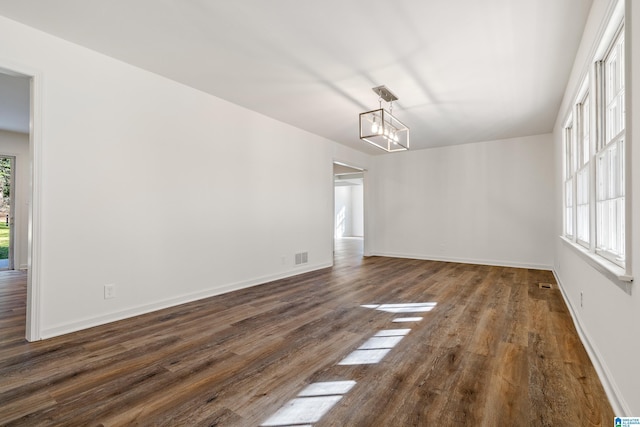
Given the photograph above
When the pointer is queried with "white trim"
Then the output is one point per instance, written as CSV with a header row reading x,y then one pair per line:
x,y
89,322
349,165
613,271
629,140
491,262
618,404
33,330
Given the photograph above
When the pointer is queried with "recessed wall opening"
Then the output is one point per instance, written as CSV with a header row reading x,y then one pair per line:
x,y
348,220
17,181
7,204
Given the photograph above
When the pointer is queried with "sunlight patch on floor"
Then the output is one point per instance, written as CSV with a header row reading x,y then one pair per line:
x,y
375,348
312,403
411,307
406,319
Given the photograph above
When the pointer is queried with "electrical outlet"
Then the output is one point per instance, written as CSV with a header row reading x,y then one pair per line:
x,y
109,291
581,299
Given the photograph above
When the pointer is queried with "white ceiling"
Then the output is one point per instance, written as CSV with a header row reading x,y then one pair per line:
x,y
463,70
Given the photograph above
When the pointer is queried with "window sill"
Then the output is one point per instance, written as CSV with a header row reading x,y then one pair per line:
x,y
614,272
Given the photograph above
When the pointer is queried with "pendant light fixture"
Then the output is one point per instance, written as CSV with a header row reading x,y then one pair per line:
x,y
380,128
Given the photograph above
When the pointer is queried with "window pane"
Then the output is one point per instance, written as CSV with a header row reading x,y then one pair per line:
x,y
568,228
610,191
584,142
582,205
614,90
610,201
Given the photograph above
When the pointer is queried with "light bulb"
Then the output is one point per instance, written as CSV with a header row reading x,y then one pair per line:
x,y
374,126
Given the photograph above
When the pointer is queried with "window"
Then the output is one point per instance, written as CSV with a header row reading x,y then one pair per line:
x,y
610,205
577,156
594,146
569,143
582,206
582,176
577,140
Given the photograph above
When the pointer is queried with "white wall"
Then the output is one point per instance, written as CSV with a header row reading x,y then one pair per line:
x,y
609,319
167,192
17,144
357,210
349,211
342,210
489,203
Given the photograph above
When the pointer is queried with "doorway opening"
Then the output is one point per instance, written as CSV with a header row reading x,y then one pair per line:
x,y
349,229
20,102
7,203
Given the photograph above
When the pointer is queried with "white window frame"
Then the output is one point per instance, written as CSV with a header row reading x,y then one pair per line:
x,y
576,167
583,173
610,179
569,142
581,167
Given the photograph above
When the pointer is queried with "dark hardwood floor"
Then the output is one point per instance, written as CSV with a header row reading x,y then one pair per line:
x,y
491,349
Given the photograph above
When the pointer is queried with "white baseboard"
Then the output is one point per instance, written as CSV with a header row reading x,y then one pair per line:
x,y
497,263
618,404
86,323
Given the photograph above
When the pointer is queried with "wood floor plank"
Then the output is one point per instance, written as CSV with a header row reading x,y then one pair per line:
x,y
494,349
506,394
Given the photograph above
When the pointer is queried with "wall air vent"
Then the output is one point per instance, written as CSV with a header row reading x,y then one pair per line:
x,y
302,258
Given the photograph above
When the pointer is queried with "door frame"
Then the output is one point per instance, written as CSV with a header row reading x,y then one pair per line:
x,y
34,308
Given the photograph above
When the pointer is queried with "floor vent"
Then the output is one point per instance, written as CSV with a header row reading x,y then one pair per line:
x,y
302,258
545,285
